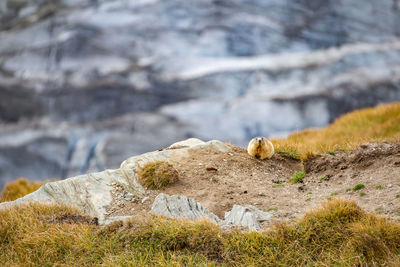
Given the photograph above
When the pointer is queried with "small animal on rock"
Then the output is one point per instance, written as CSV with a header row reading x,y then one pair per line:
x,y
261,148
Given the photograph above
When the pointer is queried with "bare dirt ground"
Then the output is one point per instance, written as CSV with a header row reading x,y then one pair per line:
x,y
220,180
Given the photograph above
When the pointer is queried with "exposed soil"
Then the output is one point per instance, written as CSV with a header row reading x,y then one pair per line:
x,y
73,219
220,180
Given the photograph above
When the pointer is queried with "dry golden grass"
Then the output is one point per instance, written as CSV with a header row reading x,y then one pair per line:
x,y
157,175
18,188
347,132
337,234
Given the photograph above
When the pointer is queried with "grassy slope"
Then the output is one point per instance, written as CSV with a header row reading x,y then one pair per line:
x,y
347,132
339,233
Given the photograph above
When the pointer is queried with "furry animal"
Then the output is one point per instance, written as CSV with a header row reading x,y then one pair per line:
x,y
261,148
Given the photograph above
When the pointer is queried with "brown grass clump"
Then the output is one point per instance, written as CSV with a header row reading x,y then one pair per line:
x,y
338,234
157,175
377,124
18,188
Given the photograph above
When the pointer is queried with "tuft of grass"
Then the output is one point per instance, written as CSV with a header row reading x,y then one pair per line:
x,y
323,178
331,153
157,175
18,188
277,185
297,177
272,209
362,194
398,196
339,233
289,153
334,194
377,124
348,190
379,187
308,199
358,187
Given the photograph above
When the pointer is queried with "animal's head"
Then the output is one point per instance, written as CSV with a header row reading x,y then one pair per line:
x,y
260,140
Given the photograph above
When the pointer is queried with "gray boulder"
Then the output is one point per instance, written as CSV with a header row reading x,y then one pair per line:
x,y
246,216
181,207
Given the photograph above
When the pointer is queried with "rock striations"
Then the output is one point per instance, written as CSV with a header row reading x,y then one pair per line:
x,y
122,77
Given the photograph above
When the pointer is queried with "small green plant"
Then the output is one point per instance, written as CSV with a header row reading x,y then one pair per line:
x,y
348,190
157,175
308,199
289,153
272,209
379,210
297,177
362,194
398,196
334,194
331,153
323,178
329,198
358,187
277,185
379,187
309,193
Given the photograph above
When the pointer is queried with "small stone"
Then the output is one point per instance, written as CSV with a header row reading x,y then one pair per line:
x,y
145,199
261,194
389,185
129,196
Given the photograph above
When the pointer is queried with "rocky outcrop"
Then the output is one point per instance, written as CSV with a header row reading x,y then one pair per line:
x,y
88,78
92,193
95,193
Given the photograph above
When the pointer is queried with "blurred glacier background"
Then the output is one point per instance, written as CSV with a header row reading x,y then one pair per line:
x,y
85,84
